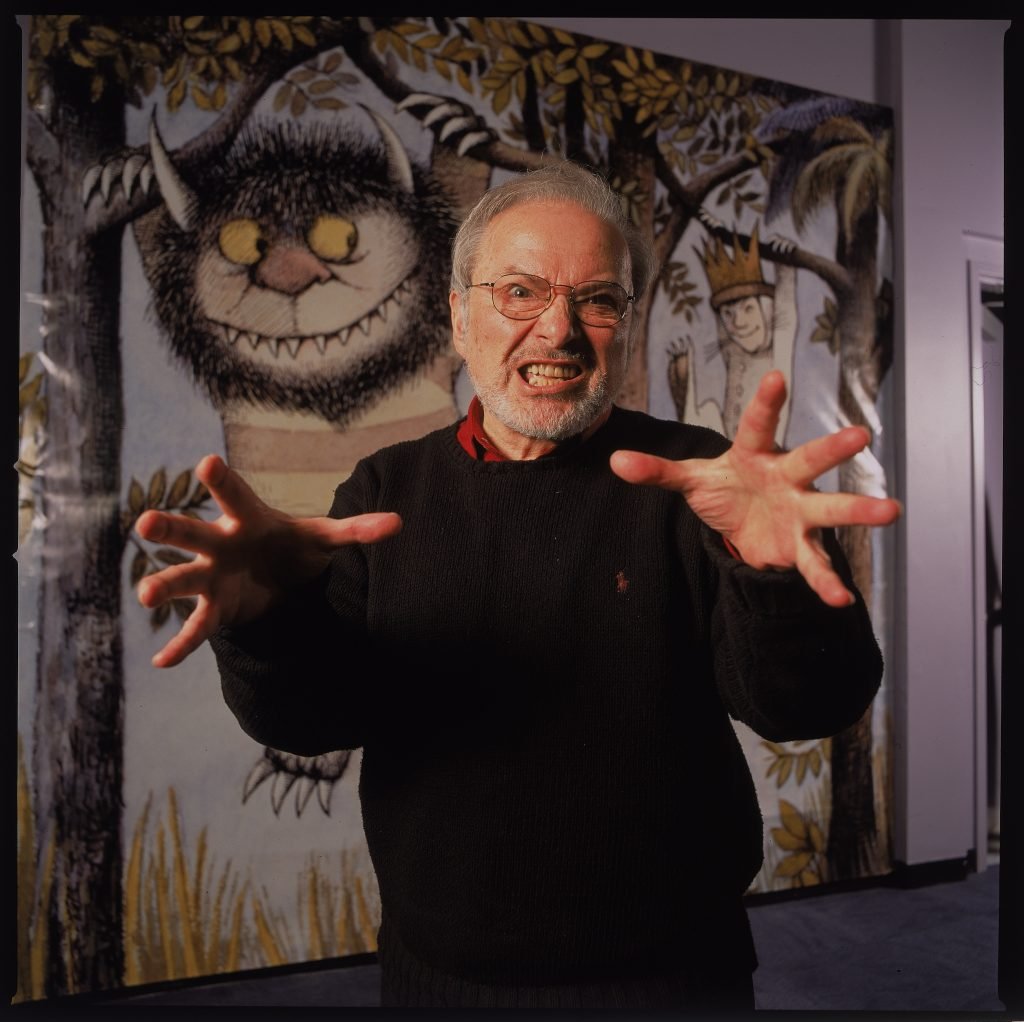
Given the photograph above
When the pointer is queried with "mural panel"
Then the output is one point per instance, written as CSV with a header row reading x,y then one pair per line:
x,y
235,240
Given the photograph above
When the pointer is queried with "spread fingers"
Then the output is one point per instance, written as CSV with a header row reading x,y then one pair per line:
x,y
178,530
816,567
175,582
832,510
198,627
805,463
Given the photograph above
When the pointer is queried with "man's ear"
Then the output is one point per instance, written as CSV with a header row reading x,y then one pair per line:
x,y
456,302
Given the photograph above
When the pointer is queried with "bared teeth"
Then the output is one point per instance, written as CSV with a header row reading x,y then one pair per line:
x,y
544,374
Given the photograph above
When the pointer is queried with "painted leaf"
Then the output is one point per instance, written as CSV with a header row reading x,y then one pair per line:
x,y
790,842
136,497
816,836
791,818
793,865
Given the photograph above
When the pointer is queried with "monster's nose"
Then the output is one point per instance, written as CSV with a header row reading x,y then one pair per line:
x,y
290,269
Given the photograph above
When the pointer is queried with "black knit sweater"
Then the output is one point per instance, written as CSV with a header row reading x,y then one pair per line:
x,y
540,669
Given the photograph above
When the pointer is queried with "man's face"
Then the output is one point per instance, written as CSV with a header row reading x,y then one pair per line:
x,y
744,322
551,377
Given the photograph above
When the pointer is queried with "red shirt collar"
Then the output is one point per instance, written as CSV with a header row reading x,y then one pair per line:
x,y
477,444
473,439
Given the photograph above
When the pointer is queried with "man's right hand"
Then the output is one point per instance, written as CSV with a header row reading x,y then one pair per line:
x,y
246,560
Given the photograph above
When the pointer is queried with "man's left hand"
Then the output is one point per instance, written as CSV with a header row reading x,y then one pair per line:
x,y
762,500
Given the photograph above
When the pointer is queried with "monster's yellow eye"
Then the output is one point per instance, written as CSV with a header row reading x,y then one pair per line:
x,y
333,238
242,242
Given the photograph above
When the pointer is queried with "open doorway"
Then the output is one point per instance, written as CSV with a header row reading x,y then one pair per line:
x,y
986,323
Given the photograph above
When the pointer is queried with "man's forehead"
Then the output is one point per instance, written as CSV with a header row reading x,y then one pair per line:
x,y
539,226
540,211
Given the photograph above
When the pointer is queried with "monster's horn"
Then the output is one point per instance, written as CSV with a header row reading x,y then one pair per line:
x,y
399,167
176,194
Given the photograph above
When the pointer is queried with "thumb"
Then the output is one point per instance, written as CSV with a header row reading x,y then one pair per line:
x,y
648,469
367,528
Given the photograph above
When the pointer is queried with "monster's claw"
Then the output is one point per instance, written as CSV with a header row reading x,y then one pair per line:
x,y
303,793
313,773
280,786
419,99
128,172
107,179
132,167
89,179
262,769
446,110
453,117
474,138
708,220
324,790
456,124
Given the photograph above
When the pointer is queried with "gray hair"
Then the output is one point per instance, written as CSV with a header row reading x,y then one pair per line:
x,y
558,181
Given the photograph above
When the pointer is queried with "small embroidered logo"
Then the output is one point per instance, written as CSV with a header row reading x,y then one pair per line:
x,y
621,582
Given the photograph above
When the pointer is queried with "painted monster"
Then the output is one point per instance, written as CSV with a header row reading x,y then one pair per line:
x,y
303,283
306,272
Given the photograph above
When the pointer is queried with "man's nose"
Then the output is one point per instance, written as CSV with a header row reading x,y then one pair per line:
x,y
558,319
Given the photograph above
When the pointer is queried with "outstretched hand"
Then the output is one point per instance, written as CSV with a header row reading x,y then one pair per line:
x,y
245,561
763,500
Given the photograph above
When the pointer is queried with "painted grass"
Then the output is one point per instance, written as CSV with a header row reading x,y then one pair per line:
x,y
34,892
185,916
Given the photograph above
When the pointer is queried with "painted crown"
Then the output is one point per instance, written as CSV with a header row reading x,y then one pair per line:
x,y
736,276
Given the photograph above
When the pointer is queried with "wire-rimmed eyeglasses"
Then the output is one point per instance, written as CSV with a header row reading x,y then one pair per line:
x,y
524,296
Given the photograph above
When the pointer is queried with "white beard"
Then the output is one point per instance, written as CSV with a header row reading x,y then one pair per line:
x,y
561,417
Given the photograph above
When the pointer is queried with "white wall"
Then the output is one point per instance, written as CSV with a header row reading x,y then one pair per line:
x,y
945,81
950,126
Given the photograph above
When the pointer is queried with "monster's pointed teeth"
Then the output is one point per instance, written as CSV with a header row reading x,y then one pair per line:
x,y
293,344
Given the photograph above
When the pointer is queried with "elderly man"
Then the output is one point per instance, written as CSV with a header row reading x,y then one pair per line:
x,y
536,624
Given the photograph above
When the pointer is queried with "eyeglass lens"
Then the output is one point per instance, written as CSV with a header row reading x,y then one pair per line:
x,y
524,296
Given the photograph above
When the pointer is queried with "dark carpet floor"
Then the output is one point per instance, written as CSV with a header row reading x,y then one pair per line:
x,y
884,951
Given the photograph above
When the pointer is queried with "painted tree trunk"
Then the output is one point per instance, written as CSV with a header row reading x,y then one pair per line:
x,y
78,728
633,160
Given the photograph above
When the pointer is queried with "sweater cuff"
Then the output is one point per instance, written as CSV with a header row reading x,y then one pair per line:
x,y
276,632
732,550
765,591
